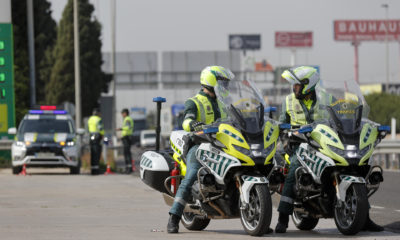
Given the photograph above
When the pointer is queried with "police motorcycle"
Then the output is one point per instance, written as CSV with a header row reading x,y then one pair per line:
x,y
236,154
336,177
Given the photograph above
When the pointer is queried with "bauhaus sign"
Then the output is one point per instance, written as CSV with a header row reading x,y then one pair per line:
x,y
367,30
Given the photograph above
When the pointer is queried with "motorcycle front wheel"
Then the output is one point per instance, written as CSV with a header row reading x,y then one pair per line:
x,y
194,222
351,215
256,216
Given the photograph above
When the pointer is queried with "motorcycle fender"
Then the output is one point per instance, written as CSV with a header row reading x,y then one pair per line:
x,y
345,183
247,185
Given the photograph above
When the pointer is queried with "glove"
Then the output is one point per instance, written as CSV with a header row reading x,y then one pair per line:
x,y
196,125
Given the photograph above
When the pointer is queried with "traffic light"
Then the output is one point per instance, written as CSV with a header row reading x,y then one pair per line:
x,y
7,107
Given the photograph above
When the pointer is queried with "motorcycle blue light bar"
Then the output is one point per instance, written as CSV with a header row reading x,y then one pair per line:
x,y
270,109
306,129
285,126
159,99
35,111
210,130
384,128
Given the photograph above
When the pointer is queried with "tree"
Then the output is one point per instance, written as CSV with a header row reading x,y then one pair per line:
x,y
45,34
93,80
383,108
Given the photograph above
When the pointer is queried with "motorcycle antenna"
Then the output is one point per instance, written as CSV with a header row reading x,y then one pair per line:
x,y
159,101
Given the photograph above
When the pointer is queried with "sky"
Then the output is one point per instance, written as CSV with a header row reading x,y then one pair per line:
x,y
187,25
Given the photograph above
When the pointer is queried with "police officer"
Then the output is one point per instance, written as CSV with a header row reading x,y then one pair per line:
x,y
127,131
201,109
301,108
96,131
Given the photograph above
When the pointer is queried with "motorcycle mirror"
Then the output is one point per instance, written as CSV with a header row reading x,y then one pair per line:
x,y
306,129
284,126
384,128
210,130
270,109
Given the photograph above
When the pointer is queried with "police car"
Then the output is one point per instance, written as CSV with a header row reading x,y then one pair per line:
x,y
46,138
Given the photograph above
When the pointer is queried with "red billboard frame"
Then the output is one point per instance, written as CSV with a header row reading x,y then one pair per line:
x,y
294,39
366,30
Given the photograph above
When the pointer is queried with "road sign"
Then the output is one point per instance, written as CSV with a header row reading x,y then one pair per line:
x,y
7,109
294,39
367,30
245,42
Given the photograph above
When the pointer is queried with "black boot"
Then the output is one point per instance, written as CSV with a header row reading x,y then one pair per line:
x,y
173,223
128,170
282,225
371,226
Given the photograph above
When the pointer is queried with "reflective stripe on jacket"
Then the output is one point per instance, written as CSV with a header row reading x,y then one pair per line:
x,y
127,128
205,112
95,125
299,113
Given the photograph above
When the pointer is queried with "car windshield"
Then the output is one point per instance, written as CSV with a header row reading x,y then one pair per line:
x,y
149,135
344,104
46,126
243,104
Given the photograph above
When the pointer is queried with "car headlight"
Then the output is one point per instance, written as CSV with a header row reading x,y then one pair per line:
x,y
245,151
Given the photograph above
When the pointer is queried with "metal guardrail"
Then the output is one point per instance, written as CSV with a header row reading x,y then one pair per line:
x,y
5,144
388,146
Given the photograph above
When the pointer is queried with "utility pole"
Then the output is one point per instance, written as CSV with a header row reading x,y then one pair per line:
x,y
31,45
113,68
386,6
77,68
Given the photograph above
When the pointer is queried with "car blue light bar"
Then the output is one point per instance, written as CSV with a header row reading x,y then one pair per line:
x,y
270,109
210,130
159,99
60,112
55,112
384,128
35,111
306,129
285,126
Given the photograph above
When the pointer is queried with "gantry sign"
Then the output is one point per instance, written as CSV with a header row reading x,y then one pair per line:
x,y
7,106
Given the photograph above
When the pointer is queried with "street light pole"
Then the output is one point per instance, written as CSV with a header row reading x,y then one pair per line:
x,y
77,68
386,6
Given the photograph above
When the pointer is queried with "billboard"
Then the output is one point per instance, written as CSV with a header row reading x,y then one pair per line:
x,y
367,30
244,41
294,39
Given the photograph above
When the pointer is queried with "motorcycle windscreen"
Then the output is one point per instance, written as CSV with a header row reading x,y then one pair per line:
x,y
344,105
242,103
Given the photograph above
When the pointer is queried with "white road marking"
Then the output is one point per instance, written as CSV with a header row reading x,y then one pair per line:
x,y
397,210
377,207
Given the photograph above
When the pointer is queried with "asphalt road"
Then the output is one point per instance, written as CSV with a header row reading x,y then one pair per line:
x,y
385,203
51,204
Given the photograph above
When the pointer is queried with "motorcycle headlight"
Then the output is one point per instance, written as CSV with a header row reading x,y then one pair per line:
x,y
245,151
70,143
338,151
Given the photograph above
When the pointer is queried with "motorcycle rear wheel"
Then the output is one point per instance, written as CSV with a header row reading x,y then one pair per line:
x,y
256,216
194,222
350,217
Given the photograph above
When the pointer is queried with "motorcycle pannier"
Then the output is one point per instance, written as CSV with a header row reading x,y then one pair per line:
x,y
155,168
